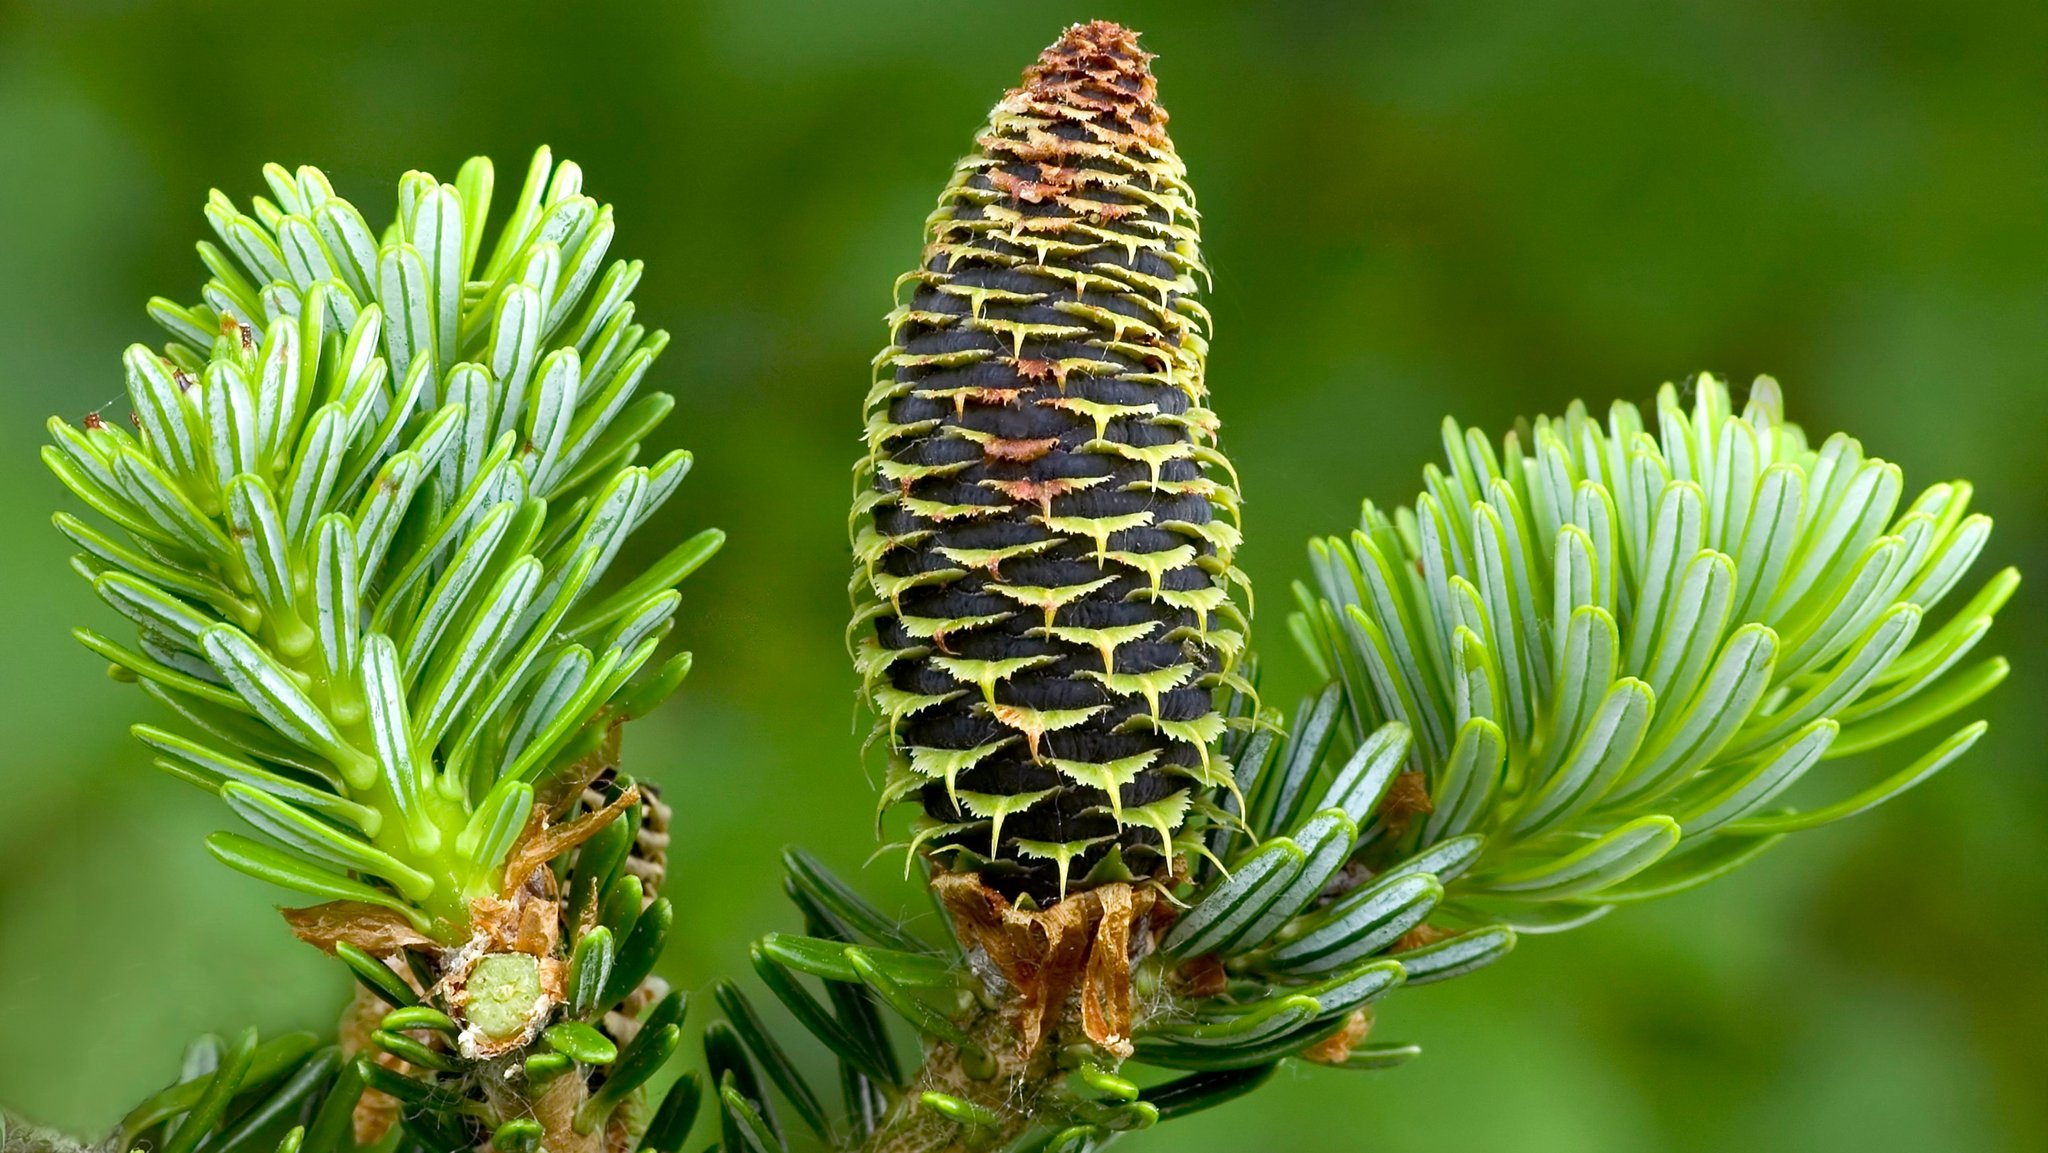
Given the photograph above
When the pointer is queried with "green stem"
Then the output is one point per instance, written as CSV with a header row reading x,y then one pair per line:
x,y
1023,1091
454,875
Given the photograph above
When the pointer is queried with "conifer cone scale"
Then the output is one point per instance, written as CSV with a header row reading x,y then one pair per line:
x,y
1045,528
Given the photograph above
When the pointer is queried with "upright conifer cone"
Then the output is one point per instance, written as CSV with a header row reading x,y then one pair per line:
x,y
1044,528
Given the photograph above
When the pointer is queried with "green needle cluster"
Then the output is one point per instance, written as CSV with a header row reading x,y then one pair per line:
x,y
1614,654
365,524
362,523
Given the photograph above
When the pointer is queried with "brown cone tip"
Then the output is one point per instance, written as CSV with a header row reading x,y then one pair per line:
x,y
1098,68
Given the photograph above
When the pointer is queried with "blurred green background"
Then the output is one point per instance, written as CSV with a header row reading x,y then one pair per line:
x,y
1483,209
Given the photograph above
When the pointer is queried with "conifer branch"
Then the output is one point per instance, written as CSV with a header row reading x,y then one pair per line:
x,y
1584,671
364,527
